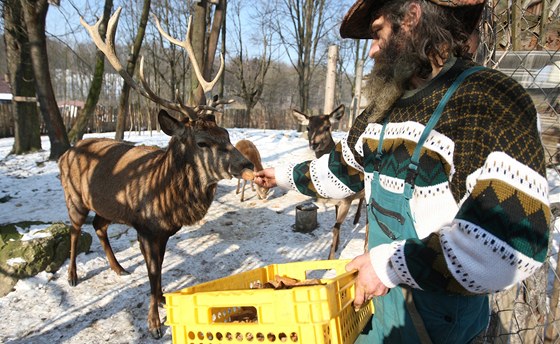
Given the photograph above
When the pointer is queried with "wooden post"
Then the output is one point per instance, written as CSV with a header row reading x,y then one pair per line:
x,y
331,79
355,110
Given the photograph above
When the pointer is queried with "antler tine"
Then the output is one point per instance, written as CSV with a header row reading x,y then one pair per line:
x,y
108,49
107,46
206,86
215,103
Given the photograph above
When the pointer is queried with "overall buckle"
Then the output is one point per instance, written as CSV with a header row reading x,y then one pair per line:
x,y
411,174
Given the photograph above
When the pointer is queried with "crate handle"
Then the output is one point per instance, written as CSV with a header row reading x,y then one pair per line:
x,y
234,314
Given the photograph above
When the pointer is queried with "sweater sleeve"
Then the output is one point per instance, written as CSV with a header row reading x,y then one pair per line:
x,y
336,175
499,236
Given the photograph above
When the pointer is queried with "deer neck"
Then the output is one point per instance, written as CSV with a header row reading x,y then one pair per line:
x,y
185,185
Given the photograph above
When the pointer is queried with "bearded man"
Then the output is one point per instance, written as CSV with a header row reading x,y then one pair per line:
x,y
453,167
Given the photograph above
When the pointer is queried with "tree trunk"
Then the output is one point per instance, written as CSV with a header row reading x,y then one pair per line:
x,y
224,31
85,114
198,38
130,67
35,13
217,22
27,137
515,24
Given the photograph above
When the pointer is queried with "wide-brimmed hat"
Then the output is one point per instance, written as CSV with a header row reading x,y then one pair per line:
x,y
357,20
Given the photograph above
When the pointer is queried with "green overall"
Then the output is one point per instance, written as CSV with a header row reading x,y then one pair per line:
x,y
447,318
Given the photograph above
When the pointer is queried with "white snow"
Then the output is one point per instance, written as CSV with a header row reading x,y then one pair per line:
x,y
233,237
104,307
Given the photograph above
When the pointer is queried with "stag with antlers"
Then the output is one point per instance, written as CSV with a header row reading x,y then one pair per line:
x,y
156,191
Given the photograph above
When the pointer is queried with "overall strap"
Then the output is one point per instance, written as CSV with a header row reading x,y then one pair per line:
x,y
413,167
379,153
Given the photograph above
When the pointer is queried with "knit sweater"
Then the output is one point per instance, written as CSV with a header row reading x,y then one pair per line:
x,y
480,201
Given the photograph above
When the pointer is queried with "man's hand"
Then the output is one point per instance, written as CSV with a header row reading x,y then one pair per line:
x,y
368,284
266,178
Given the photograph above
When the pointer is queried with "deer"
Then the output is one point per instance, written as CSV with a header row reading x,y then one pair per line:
x,y
320,139
250,151
154,190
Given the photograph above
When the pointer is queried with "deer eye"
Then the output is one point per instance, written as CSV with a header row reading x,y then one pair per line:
x,y
203,144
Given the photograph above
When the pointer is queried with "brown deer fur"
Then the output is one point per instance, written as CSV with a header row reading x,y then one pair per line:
x,y
321,142
154,190
250,151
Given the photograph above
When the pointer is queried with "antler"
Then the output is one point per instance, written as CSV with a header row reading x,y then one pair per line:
x,y
213,105
186,44
107,46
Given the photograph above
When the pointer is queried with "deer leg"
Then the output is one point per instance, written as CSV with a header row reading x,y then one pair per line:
x,y
341,212
336,239
243,190
100,225
358,211
238,184
162,246
252,186
151,250
77,218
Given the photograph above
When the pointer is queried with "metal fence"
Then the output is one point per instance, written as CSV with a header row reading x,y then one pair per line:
x,y
522,39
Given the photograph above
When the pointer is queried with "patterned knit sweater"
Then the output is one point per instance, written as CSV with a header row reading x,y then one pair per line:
x,y
480,203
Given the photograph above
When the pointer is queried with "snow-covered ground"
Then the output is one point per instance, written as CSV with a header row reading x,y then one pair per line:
x,y
104,307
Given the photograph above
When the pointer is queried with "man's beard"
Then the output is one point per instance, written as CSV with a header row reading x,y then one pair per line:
x,y
394,67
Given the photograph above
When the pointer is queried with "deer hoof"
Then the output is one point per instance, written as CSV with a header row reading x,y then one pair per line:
x,y
73,280
123,273
156,333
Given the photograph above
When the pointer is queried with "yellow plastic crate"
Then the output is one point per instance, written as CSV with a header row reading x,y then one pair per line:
x,y
323,313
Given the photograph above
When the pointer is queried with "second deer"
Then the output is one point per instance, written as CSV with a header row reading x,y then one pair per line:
x,y
250,151
321,142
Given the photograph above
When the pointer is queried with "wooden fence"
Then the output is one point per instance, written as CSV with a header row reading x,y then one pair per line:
x,y
145,118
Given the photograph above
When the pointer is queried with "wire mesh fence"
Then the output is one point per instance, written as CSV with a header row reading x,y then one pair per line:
x,y
522,39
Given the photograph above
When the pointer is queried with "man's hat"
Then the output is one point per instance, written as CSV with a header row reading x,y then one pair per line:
x,y
357,20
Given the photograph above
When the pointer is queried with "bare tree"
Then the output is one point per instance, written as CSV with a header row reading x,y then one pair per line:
x,y
26,118
205,45
130,67
250,72
35,13
85,114
302,26
170,67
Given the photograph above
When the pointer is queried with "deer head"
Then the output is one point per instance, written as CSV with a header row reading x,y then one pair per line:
x,y
319,129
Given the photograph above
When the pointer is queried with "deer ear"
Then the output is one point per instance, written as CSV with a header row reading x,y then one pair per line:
x,y
337,113
170,125
300,117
